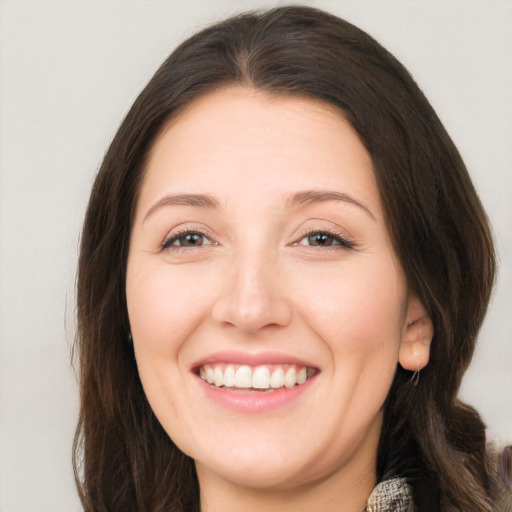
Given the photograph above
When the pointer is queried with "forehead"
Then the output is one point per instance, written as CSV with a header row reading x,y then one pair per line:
x,y
245,138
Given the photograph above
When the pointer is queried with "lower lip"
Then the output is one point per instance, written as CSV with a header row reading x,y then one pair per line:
x,y
254,401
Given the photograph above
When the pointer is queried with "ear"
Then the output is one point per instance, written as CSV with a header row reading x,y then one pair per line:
x,y
416,336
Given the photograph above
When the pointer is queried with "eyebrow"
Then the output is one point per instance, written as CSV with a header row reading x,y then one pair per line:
x,y
198,200
303,198
320,196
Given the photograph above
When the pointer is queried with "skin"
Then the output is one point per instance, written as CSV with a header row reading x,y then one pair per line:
x,y
253,283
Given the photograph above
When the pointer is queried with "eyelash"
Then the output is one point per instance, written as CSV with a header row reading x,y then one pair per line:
x,y
340,242
168,243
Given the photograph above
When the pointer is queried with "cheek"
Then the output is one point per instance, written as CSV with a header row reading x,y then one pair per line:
x,y
163,317
164,307
357,308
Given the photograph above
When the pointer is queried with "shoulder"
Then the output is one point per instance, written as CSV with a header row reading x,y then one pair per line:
x,y
393,495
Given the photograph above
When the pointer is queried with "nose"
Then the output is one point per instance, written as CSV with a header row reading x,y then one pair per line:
x,y
253,296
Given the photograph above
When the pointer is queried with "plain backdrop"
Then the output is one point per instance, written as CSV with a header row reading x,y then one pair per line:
x,y
69,70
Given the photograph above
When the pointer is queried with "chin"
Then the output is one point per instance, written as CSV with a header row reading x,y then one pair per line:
x,y
256,474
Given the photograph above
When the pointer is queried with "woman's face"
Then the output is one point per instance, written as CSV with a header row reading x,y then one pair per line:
x,y
266,304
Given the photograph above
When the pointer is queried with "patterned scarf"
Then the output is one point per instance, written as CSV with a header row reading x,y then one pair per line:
x,y
393,495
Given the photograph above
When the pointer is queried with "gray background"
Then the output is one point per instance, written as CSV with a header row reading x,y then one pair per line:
x,y
69,71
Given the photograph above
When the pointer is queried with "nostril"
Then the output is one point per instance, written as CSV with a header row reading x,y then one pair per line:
x,y
250,311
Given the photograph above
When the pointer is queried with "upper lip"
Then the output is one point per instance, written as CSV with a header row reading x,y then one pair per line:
x,y
252,359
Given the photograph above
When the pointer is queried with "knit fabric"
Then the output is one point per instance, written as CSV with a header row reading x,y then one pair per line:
x,y
393,495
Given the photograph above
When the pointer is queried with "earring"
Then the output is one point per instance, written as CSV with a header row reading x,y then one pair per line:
x,y
415,377
130,339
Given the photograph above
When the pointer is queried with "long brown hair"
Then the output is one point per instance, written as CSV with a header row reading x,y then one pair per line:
x,y
123,458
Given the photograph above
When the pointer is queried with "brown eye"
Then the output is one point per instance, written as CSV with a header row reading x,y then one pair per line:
x,y
326,239
189,239
320,239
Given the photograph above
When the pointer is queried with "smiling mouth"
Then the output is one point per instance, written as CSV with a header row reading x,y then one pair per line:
x,y
262,378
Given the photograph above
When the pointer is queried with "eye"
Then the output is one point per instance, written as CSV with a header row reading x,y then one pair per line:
x,y
186,239
324,239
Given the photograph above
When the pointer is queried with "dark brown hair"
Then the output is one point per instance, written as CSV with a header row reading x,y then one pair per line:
x,y
123,458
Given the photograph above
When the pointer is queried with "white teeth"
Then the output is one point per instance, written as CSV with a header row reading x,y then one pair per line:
x,y
243,377
218,378
289,377
277,379
301,376
262,377
229,376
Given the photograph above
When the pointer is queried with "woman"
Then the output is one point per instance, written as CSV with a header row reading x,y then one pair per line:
x,y
284,267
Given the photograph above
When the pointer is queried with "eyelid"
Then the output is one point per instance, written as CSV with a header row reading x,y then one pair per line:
x,y
172,236
344,242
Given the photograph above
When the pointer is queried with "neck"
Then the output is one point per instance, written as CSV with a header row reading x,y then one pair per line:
x,y
344,491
